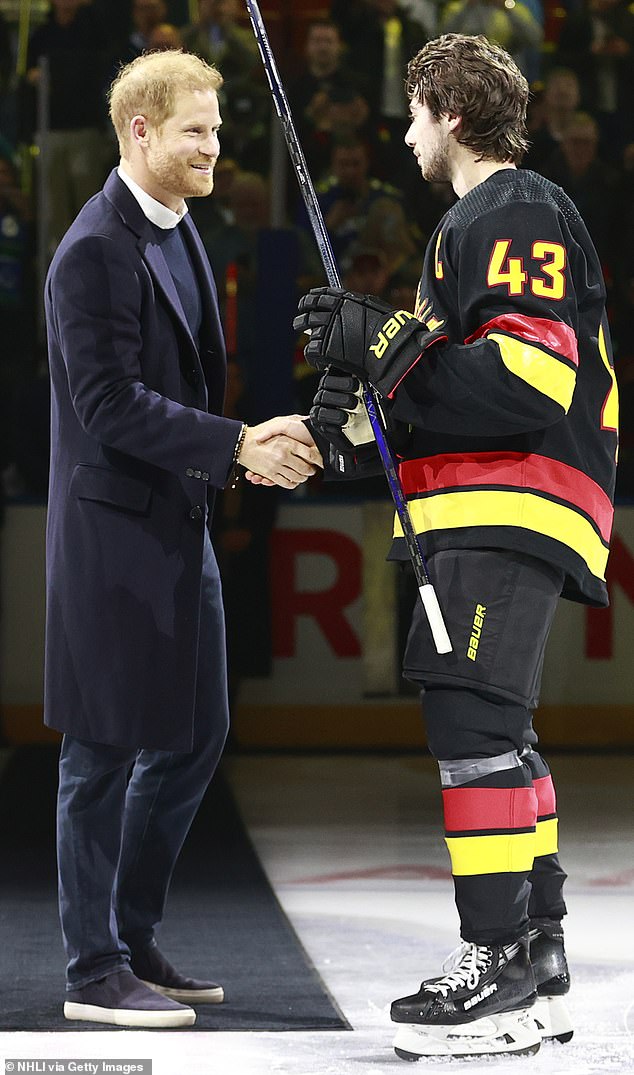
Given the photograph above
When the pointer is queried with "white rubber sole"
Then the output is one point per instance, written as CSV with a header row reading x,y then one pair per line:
x,y
508,1032
194,996
553,1019
92,1013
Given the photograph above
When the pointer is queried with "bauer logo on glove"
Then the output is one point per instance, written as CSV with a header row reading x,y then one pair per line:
x,y
389,330
362,335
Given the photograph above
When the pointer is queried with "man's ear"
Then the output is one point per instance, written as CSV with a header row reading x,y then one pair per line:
x,y
139,132
453,122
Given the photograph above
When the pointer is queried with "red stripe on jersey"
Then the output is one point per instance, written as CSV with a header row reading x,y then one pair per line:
x,y
473,809
546,798
515,470
555,335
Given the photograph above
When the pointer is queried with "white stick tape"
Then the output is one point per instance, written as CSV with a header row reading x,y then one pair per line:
x,y
434,615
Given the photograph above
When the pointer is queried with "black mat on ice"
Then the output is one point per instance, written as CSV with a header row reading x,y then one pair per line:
x,y
223,920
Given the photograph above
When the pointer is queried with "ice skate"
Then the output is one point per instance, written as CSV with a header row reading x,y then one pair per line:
x,y
482,1005
548,957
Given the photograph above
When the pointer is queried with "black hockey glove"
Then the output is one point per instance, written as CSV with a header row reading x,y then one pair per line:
x,y
338,411
340,424
362,335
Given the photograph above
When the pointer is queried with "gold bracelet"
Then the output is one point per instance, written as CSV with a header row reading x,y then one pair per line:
x,y
236,453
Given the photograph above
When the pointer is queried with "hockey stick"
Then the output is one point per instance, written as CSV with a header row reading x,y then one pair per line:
x,y
425,587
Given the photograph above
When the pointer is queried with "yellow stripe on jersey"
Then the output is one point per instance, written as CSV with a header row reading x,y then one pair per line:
x,y
499,507
546,837
539,369
508,853
610,412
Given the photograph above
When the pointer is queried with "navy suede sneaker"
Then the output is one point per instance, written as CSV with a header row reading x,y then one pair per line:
x,y
121,999
150,965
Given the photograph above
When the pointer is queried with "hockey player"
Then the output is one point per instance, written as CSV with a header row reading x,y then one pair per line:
x,y
501,397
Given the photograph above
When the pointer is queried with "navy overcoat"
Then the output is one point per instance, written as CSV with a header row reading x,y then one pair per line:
x,y
138,445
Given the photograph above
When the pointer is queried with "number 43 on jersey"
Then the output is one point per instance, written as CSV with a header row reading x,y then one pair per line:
x,y
548,260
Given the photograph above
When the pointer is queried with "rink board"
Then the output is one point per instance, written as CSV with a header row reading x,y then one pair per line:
x,y
336,678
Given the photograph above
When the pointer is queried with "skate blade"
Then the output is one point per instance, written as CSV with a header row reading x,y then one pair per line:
x,y
507,1032
553,1019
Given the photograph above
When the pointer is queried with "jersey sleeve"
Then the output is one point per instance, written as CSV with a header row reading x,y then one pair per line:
x,y
510,363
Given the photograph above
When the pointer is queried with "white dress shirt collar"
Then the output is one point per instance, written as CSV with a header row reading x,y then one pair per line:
x,y
156,212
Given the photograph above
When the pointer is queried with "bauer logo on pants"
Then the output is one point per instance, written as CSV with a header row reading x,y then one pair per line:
x,y
476,632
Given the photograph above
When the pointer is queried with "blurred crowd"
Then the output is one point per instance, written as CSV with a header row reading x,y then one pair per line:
x,y
344,73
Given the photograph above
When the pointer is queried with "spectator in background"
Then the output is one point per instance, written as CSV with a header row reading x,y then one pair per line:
x,y
509,24
146,16
381,37
359,208
596,41
323,71
75,44
164,36
248,243
339,111
218,38
369,272
388,228
558,105
589,182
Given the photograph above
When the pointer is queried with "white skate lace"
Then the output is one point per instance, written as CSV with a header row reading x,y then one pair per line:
x,y
464,967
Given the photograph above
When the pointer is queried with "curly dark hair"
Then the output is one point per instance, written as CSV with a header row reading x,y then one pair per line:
x,y
459,75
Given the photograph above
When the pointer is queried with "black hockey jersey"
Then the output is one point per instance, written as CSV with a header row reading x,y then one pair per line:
x,y
514,420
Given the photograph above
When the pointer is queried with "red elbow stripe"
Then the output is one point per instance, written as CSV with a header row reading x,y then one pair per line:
x,y
546,798
476,809
555,335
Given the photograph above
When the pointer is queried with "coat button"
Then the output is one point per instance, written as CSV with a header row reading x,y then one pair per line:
x,y
198,473
205,476
189,472
196,513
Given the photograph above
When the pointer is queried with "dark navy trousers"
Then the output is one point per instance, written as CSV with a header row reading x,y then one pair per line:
x,y
123,816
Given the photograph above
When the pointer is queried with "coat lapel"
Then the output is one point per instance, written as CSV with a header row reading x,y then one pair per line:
x,y
155,260
211,361
133,216
211,327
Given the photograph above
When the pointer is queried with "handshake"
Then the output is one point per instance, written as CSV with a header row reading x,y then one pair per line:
x,y
278,452
355,340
